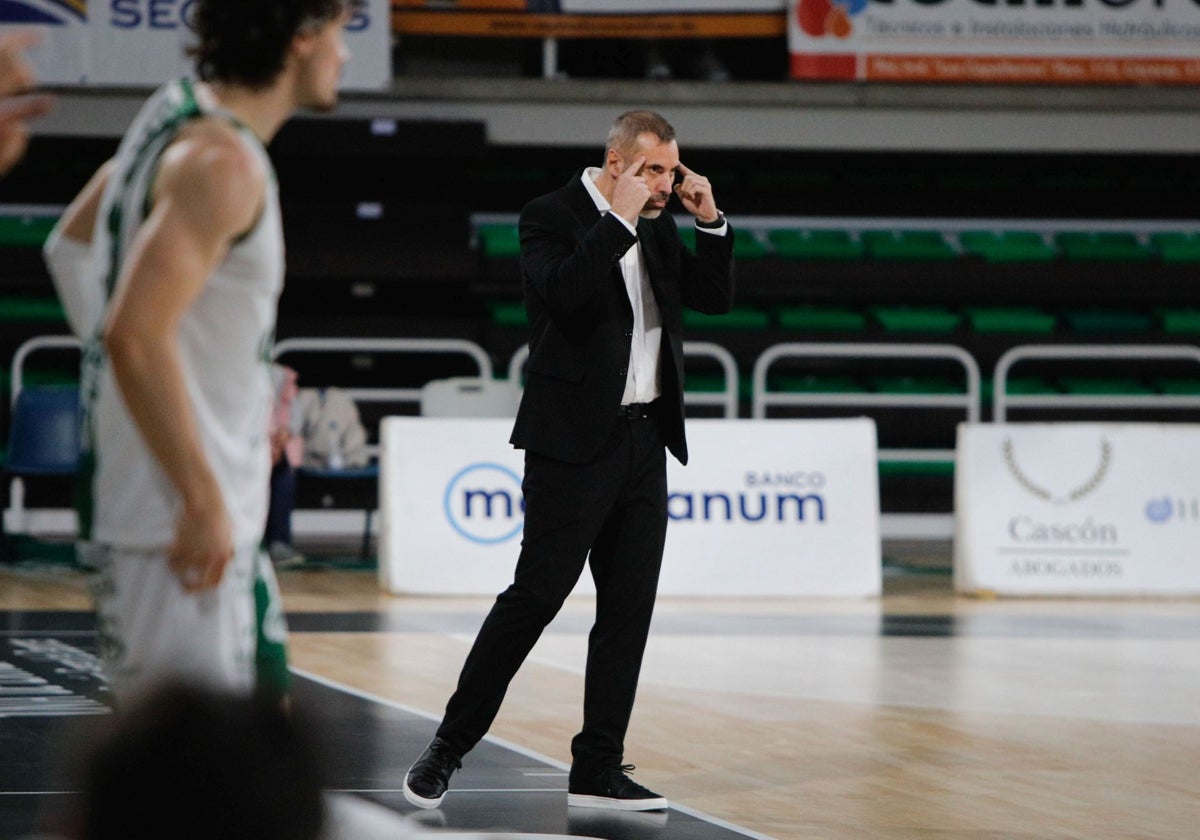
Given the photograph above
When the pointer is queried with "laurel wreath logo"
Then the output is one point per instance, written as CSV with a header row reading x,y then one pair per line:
x,y
1076,493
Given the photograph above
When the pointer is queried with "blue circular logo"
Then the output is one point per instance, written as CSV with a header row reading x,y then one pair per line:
x,y
1159,510
483,502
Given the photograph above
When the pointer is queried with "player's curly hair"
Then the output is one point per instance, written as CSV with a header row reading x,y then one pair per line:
x,y
246,41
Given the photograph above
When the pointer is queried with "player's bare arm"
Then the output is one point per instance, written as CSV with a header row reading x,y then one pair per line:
x,y
208,192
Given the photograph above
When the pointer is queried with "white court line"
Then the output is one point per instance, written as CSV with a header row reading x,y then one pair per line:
x,y
453,790
54,633
375,698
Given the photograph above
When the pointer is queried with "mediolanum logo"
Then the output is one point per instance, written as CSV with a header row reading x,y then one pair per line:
x,y
49,12
484,504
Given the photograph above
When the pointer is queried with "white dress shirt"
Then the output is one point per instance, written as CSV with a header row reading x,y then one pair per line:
x,y
642,381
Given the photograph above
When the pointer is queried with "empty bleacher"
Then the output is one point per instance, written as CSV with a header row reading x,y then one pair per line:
x,y
406,229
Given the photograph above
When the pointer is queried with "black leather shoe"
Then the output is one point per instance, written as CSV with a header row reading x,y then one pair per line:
x,y
427,780
611,788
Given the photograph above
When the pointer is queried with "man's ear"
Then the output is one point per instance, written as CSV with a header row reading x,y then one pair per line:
x,y
613,164
303,43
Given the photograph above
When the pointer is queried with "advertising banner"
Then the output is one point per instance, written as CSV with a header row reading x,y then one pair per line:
x,y
1026,41
591,18
658,7
766,507
1077,509
140,43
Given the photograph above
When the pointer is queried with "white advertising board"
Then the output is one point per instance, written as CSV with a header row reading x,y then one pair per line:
x,y
140,43
1035,41
766,507
1077,509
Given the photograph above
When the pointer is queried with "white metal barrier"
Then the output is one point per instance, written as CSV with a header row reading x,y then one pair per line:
x,y
1002,401
425,346
726,398
342,523
968,401
41,342
892,525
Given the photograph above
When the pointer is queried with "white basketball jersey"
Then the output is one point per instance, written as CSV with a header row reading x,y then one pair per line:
x,y
225,341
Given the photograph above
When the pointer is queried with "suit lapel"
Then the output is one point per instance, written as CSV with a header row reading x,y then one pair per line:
x,y
586,214
651,257
581,205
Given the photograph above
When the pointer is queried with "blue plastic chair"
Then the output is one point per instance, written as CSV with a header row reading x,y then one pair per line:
x,y
43,440
44,436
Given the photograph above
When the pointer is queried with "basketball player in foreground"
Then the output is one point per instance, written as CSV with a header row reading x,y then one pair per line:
x,y
170,265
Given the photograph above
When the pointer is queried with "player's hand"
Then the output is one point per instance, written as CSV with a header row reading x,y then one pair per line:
x,y
202,549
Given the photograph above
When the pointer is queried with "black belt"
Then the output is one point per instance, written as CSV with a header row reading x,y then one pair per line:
x,y
636,411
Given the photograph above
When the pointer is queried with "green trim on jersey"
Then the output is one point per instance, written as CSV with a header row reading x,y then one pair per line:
x,y
272,677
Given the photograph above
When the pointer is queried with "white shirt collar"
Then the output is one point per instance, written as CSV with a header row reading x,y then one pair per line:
x,y
589,184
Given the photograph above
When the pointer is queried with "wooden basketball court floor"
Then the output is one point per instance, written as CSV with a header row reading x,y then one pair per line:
x,y
920,714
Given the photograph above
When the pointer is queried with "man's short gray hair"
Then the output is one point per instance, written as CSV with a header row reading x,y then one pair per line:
x,y
628,127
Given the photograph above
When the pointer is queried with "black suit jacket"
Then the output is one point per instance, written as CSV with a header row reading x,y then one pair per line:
x,y
582,320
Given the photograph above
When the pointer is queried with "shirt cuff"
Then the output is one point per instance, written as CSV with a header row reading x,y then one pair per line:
x,y
621,219
716,231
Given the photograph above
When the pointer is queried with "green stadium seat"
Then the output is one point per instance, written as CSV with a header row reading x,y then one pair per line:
x,y
1106,320
1007,246
688,234
705,383
499,240
1003,319
32,310
25,231
1179,320
821,319
815,245
507,313
1015,385
1104,246
746,245
738,318
49,376
908,245
814,384
1105,386
714,383
896,469
1177,247
1178,387
937,319
914,385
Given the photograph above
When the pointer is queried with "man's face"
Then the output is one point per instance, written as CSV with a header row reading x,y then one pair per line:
x,y
323,55
662,162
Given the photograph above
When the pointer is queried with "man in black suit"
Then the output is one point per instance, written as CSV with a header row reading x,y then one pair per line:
x,y
605,277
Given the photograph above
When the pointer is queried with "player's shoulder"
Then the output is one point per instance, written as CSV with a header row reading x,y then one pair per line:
x,y
212,151
215,174
210,160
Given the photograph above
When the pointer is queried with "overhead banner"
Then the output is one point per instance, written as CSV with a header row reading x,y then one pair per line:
x,y
1077,509
766,507
1026,41
591,18
659,7
140,43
